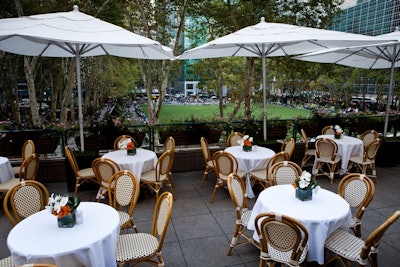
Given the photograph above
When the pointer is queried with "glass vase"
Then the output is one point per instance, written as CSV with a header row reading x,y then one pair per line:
x,y
303,195
247,148
337,136
67,221
131,152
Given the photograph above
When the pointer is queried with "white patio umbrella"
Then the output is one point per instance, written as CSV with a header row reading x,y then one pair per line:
x,y
384,55
274,39
75,34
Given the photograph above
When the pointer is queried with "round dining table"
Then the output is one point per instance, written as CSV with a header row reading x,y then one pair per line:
x,y
348,146
248,161
323,214
6,171
143,161
92,242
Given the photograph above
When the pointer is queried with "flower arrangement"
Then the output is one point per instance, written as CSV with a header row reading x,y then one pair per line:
x,y
338,131
246,142
61,206
306,181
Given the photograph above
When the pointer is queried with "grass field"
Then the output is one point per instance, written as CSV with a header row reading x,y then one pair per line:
x,y
169,112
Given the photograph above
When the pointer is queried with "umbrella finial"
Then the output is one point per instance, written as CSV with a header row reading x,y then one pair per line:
x,y
76,8
262,19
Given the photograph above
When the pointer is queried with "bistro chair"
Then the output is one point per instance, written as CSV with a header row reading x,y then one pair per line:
x,y
25,199
120,140
28,149
288,146
123,193
169,144
225,164
308,153
104,169
283,172
358,190
237,191
233,139
158,177
28,171
261,176
328,130
282,239
367,160
208,161
7,262
369,136
142,247
326,156
81,175
350,248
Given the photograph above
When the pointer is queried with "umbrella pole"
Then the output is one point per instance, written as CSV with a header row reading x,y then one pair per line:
x,y
80,114
264,85
388,100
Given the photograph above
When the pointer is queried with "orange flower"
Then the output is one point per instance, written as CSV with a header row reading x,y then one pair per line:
x,y
247,143
130,146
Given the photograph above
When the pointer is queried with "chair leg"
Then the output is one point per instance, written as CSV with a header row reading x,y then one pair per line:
x,y
172,180
204,178
234,239
215,190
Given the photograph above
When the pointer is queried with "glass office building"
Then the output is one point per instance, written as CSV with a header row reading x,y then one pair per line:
x,y
369,17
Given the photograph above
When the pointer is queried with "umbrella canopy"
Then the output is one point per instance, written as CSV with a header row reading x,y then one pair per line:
x,y
75,34
383,55
274,39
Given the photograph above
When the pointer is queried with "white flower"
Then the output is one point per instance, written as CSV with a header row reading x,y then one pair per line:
x,y
305,175
56,202
303,183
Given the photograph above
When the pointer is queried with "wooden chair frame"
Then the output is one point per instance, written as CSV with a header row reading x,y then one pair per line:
x,y
369,136
169,144
104,169
328,130
367,161
288,146
308,153
208,161
81,175
120,138
237,191
358,190
282,239
326,155
28,149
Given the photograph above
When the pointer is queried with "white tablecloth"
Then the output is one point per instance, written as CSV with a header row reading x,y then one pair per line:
x,y
6,171
347,146
143,161
91,243
322,215
251,161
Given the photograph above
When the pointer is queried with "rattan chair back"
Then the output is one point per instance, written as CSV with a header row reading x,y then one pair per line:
x,y
288,146
169,144
25,199
372,149
308,153
326,155
28,149
29,168
284,172
233,139
369,136
123,193
104,169
282,239
358,190
208,162
120,139
328,130
225,164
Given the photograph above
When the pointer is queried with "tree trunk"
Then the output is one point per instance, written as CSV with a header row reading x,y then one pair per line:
x,y
29,67
67,101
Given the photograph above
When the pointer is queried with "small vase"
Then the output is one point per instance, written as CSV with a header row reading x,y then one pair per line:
x,y
303,195
247,148
67,221
131,152
337,136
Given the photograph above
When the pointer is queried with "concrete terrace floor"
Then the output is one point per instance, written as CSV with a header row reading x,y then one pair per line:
x,y
199,232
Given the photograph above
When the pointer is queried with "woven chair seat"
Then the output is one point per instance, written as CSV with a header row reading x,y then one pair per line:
x,y
4,187
329,159
6,262
150,176
345,244
259,174
136,246
310,152
87,172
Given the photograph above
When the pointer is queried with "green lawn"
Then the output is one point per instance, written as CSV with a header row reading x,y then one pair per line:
x,y
169,112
